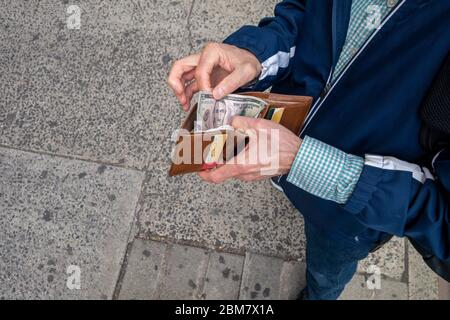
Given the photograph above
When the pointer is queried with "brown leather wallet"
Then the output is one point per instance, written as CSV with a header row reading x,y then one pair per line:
x,y
196,152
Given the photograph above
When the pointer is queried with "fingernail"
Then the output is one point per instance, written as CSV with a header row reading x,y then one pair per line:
x,y
218,93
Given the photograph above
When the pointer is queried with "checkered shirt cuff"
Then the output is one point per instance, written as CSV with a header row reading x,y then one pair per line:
x,y
325,171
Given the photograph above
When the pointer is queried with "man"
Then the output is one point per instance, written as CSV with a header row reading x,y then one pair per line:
x,y
357,173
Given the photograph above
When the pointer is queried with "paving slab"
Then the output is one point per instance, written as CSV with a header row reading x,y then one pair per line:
x,y
184,273
357,289
422,281
61,218
292,280
143,270
234,216
390,259
444,289
97,93
261,277
79,90
223,277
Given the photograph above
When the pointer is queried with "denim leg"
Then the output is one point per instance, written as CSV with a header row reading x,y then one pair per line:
x,y
331,262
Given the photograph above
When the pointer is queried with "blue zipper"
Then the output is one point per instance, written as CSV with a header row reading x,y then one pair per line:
x,y
327,86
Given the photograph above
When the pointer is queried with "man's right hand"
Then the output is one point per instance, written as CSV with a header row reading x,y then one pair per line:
x,y
219,68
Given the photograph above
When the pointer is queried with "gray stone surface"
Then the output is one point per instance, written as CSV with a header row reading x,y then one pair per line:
x,y
390,259
223,277
57,212
184,273
210,21
100,93
236,216
96,93
423,282
261,277
143,270
292,279
444,289
390,290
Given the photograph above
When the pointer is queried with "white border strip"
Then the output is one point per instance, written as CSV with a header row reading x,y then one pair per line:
x,y
391,163
435,157
279,60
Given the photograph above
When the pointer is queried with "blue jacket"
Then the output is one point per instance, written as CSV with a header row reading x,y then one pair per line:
x,y
371,108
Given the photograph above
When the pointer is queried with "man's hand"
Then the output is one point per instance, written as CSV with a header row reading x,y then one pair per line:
x,y
219,68
272,146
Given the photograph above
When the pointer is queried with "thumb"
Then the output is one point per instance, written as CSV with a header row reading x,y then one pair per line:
x,y
243,123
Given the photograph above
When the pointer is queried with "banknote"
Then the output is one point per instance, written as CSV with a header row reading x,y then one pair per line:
x,y
213,114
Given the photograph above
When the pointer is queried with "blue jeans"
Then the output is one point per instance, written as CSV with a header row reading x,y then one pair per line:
x,y
331,260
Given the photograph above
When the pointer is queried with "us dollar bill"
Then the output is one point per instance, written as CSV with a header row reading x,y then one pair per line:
x,y
214,114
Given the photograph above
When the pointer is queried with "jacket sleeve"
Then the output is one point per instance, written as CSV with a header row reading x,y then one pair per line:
x,y
272,41
404,199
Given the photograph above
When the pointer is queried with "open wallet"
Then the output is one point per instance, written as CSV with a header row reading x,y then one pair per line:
x,y
198,151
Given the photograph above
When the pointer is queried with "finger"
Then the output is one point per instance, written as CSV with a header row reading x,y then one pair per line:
x,y
175,79
189,82
232,82
220,174
190,90
179,68
208,60
189,76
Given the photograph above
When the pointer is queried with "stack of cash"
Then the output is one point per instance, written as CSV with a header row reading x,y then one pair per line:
x,y
217,114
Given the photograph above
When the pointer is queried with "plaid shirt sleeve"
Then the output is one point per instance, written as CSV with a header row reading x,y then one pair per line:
x,y
325,171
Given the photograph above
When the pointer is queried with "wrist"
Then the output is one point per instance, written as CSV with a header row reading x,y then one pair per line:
x,y
256,65
294,147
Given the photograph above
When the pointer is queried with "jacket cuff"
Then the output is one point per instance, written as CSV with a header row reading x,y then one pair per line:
x,y
250,38
365,188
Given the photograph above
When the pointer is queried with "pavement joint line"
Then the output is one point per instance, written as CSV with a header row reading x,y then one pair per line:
x,y
200,292
71,157
241,283
122,272
383,277
405,276
151,236
246,258
132,236
188,27
139,203
163,272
